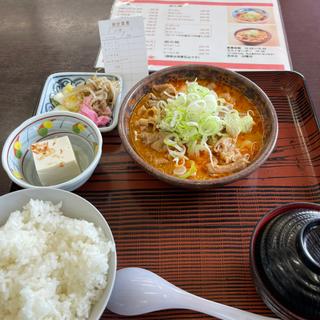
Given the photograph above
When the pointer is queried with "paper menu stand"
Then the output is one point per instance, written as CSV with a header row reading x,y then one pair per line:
x,y
209,32
123,48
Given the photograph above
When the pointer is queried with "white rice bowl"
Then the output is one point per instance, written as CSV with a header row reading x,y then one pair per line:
x,y
51,266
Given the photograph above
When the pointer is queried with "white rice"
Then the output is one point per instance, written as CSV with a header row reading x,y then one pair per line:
x,y
51,266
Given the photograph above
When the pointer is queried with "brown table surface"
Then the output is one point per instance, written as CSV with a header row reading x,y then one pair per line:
x,y
39,37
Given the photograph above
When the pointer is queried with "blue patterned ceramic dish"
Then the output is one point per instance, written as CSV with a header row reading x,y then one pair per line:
x,y
57,81
84,136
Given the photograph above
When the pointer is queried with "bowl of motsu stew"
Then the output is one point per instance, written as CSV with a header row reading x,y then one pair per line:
x,y
198,126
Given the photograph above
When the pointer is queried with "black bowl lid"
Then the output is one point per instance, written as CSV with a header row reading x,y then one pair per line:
x,y
288,257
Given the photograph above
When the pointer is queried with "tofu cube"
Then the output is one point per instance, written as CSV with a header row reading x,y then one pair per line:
x,y
55,161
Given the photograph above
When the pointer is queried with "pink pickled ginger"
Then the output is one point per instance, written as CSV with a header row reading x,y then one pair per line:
x,y
86,110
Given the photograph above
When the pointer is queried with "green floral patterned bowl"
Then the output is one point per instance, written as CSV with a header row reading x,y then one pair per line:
x,y
84,135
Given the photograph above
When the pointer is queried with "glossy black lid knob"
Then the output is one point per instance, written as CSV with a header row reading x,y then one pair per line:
x,y
309,245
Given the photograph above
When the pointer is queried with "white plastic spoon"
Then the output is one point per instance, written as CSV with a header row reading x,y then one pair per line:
x,y
137,291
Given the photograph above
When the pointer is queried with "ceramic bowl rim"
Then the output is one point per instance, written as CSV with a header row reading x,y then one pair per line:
x,y
23,125
267,150
106,229
260,285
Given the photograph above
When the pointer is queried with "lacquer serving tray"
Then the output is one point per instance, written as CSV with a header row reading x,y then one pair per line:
x,y
199,240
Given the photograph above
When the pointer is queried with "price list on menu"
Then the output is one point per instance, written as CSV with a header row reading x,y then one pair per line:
x,y
233,34
173,28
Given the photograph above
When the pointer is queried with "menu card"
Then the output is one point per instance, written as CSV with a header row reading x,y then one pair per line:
x,y
124,49
235,34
